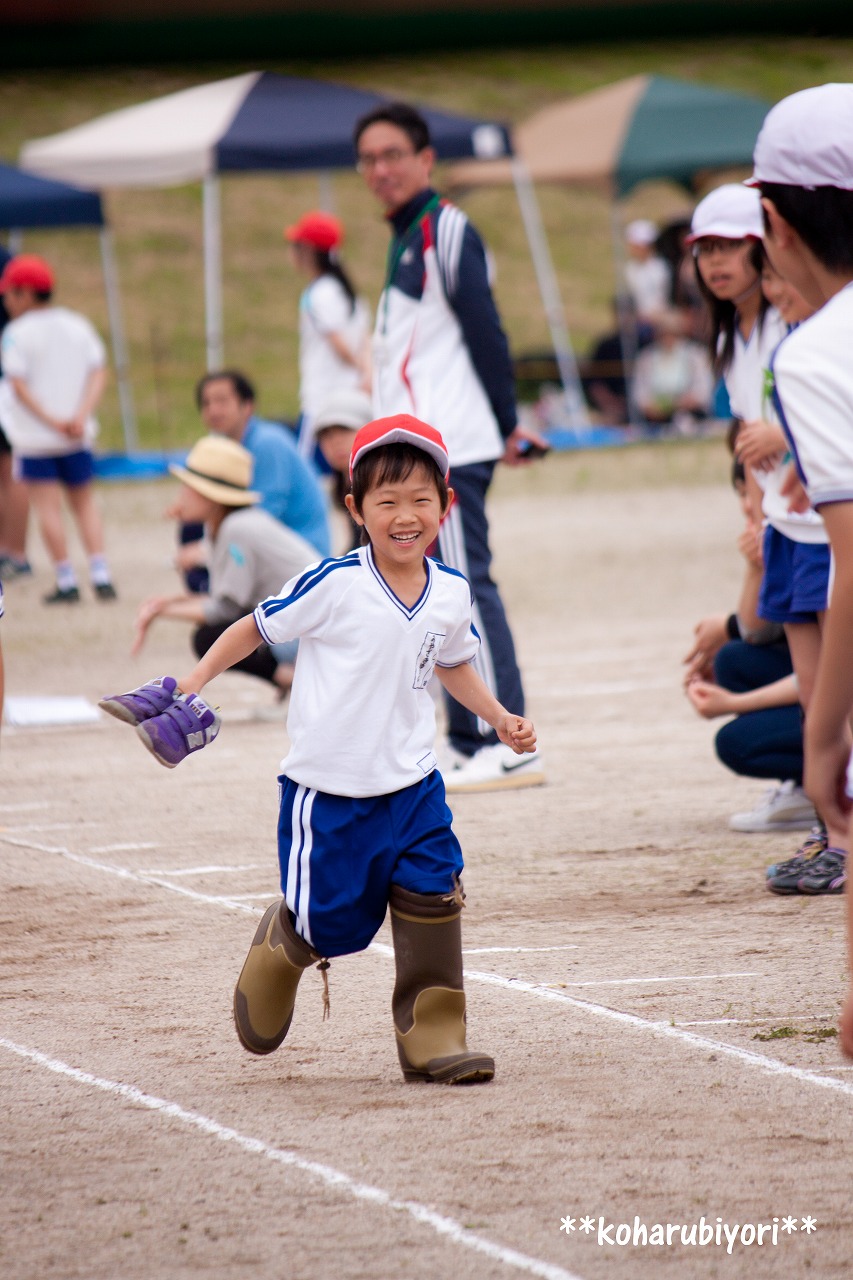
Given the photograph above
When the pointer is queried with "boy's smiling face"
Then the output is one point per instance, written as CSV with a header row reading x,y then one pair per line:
x,y
402,519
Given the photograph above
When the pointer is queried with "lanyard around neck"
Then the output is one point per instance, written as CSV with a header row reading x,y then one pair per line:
x,y
398,247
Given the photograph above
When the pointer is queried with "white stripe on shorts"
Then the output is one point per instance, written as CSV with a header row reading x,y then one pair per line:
x,y
298,892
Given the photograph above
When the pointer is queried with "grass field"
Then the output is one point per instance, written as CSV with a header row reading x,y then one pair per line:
x,y
159,232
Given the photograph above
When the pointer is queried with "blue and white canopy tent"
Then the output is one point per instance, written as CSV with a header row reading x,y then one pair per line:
x,y
262,122
28,202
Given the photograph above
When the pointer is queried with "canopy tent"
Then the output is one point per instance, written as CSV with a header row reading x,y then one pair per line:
x,y
642,128
256,122
636,130
30,202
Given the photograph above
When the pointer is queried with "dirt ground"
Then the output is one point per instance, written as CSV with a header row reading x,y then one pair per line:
x,y
624,963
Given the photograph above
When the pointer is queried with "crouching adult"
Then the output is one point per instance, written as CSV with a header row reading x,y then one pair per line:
x,y
252,554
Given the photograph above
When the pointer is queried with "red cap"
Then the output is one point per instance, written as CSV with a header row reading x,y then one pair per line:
x,y
319,229
27,271
402,428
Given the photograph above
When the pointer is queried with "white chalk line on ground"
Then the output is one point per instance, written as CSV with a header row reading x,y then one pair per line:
x,y
668,977
192,871
24,807
480,951
124,848
538,990
327,1174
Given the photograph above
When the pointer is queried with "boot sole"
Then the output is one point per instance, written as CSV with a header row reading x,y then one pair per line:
x,y
474,1070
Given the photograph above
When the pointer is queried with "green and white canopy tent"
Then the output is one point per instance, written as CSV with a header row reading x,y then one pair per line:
x,y
614,138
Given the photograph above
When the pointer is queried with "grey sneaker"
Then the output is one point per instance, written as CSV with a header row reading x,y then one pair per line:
x,y
826,874
785,807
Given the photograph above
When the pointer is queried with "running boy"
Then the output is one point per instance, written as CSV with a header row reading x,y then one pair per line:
x,y
804,170
364,822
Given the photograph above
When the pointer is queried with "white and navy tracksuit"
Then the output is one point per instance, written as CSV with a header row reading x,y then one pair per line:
x,y
440,353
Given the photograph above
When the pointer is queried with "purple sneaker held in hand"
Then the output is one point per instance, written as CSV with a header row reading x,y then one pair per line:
x,y
141,704
187,725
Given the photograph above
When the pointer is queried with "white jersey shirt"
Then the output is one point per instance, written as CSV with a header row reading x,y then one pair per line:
x,y
325,308
54,351
813,378
746,376
361,719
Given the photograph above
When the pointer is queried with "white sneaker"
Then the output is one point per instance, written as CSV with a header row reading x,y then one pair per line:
x,y
784,808
496,768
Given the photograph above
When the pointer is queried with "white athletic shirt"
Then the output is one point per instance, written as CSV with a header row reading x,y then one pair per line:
x,y
361,719
745,378
813,376
325,308
54,351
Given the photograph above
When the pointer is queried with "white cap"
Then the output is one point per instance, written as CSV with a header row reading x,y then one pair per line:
x,y
641,231
807,140
731,212
344,408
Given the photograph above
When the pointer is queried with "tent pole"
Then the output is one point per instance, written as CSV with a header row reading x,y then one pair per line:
x,y
550,293
212,271
15,241
327,191
119,343
625,314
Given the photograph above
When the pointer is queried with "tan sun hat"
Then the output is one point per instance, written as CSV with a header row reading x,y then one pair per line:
x,y
219,469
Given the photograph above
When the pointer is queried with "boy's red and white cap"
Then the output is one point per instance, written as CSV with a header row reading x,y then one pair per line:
x,y
807,140
731,212
402,428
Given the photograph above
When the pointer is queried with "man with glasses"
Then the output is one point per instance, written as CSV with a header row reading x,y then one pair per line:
x,y
440,353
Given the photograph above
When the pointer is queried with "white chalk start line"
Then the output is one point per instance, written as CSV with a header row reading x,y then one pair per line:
x,y
665,977
540,991
333,1178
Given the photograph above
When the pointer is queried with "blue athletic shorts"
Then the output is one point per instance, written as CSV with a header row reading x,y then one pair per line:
x,y
339,857
70,469
796,578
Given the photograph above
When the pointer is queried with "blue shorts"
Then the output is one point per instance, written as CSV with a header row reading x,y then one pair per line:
x,y
339,857
70,469
796,579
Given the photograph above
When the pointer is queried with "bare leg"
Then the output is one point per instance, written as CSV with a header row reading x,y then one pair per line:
x,y
46,500
804,643
14,511
87,516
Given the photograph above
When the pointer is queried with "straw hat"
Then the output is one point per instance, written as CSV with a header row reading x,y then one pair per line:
x,y
219,469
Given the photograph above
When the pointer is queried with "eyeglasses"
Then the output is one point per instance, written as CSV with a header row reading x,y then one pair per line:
x,y
391,157
709,245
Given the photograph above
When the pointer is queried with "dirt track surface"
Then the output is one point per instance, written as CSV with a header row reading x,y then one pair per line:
x,y
622,958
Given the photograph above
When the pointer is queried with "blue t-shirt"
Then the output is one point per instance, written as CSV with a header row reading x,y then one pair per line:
x,y
288,485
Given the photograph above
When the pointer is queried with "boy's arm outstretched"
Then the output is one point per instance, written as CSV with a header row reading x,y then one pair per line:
x,y
241,639
463,684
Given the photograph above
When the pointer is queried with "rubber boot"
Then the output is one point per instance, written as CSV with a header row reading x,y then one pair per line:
x,y
429,1003
266,989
